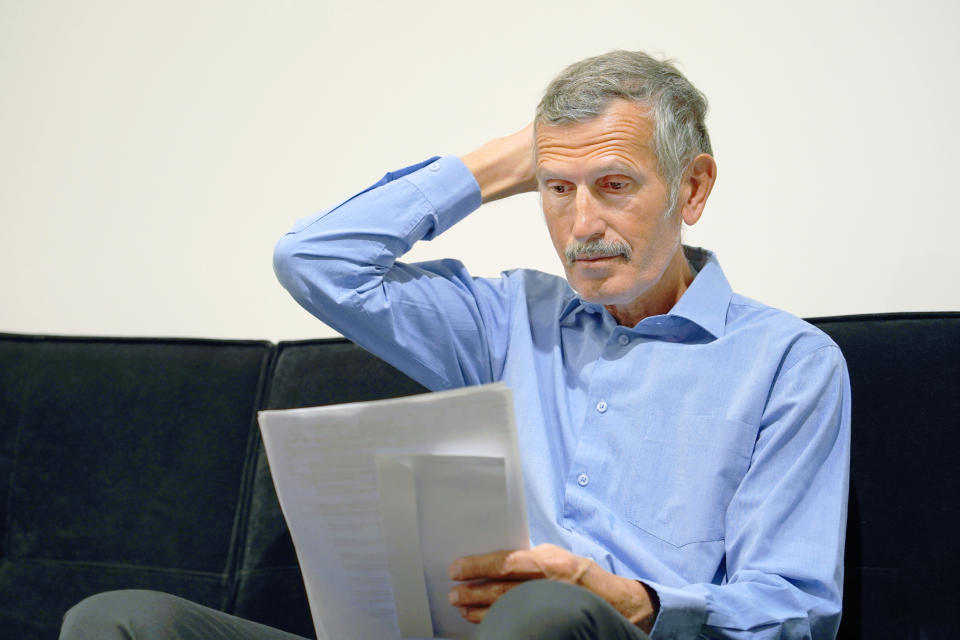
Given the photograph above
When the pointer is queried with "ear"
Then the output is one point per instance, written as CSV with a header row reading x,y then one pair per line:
x,y
697,184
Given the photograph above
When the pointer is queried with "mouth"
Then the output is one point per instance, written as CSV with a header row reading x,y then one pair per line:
x,y
598,258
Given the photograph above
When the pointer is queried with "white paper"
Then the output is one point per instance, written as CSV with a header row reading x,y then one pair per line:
x,y
396,482
388,493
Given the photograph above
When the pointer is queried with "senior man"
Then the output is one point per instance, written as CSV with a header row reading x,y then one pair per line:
x,y
685,449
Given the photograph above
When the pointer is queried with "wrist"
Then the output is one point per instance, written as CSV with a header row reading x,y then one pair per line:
x,y
637,602
504,166
646,623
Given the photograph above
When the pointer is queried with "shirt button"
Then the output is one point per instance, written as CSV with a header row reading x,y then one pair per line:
x,y
583,479
602,406
623,339
434,167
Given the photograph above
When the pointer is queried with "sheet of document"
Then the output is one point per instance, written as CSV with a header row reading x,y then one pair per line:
x,y
381,496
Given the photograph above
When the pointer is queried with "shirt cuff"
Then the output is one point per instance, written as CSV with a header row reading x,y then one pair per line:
x,y
450,189
682,614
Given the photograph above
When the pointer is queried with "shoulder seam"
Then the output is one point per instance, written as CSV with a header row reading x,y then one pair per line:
x,y
832,345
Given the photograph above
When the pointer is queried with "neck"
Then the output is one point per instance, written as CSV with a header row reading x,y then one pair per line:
x,y
660,298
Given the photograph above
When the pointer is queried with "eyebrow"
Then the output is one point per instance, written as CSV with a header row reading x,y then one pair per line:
x,y
604,170
617,169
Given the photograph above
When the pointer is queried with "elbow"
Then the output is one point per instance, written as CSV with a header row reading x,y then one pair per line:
x,y
285,263
298,272
314,274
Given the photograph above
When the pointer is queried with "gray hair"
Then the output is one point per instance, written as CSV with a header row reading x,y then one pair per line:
x,y
585,89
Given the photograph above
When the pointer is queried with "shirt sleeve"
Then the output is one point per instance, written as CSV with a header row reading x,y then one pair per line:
x,y
431,320
786,523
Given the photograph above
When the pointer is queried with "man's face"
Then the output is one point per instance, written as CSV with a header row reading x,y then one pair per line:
x,y
604,204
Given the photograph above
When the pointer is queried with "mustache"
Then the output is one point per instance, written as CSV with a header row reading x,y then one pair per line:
x,y
596,249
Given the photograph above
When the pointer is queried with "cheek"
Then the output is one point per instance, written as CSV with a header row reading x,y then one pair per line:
x,y
556,229
652,230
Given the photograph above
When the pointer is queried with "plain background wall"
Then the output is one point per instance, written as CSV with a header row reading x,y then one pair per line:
x,y
151,153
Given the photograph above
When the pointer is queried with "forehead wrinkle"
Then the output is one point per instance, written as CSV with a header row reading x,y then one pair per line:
x,y
598,161
616,139
620,121
590,143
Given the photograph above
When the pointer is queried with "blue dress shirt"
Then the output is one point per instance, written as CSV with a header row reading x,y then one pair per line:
x,y
704,452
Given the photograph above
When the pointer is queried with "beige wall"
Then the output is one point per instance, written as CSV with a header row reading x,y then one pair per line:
x,y
152,152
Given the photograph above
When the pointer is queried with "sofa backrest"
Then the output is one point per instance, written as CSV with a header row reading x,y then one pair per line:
x,y
124,463
307,373
902,561
137,463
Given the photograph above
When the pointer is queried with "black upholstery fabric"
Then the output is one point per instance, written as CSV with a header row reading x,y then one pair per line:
x,y
902,563
128,469
307,373
136,463
16,355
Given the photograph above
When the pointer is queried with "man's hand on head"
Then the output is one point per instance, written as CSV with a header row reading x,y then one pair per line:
x,y
504,166
488,576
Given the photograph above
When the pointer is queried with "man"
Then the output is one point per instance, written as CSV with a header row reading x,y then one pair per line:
x,y
696,441
685,449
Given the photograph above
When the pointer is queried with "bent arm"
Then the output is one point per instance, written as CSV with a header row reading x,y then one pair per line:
x,y
342,266
786,523
431,320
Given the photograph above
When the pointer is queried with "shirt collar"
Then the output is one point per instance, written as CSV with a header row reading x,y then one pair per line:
x,y
706,300
704,303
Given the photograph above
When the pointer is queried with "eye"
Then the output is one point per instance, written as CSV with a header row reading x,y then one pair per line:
x,y
615,185
559,187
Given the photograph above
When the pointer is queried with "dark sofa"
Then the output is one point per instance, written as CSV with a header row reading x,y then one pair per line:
x,y
137,463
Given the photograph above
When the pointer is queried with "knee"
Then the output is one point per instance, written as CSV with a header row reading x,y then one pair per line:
x,y
542,609
114,614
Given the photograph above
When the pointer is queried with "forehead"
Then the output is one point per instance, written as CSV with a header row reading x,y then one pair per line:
x,y
623,134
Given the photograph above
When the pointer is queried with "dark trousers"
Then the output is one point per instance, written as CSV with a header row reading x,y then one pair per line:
x,y
534,610
542,610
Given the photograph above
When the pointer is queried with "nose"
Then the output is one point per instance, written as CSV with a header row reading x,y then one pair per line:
x,y
588,221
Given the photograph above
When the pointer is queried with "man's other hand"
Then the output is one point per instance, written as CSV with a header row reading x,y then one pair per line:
x,y
488,576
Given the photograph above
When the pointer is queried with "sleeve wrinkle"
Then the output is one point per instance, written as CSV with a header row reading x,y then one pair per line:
x,y
423,318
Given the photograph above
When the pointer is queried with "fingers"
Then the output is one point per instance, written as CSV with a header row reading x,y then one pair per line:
x,y
474,614
480,593
515,565
486,565
475,599
543,561
493,574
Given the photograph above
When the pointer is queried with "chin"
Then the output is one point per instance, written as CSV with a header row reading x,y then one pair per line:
x,y
608,291
600,295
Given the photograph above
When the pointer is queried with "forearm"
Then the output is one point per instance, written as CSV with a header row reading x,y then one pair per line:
x,y
356,242
342,267
754,607
784,537
351,248
504,166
